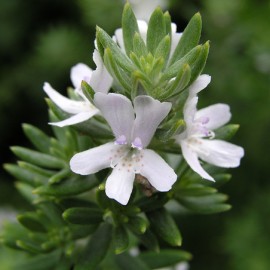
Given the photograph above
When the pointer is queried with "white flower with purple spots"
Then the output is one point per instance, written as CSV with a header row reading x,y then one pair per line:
x,y
133,129
99,79
197,140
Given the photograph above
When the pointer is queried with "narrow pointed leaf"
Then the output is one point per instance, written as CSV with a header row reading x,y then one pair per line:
x,y
82,215
37,158
24,175
130,27
88,91
139,47
189,39
208,204
42,262
164,258
226,132
189,59
120,239
163,49
149,240
69,187
198,66
96,249
38,138
137,224
156,30
126,261
107,42
164,226
117,73
31,221
58,177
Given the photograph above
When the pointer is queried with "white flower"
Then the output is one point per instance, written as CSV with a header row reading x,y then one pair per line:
x,y
127,155
99,79
144,8
143,27
196,141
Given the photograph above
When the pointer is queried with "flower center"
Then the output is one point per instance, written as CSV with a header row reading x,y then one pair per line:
x,y
200,130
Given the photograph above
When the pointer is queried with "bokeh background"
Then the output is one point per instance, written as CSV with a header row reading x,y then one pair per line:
x,y
41,40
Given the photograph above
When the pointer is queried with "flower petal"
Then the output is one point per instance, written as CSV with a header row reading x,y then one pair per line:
x,y
191,158
75,119
101,80
119,184
118,111
93,160
119,38
149,114
143,27
201,82
190,110
160,175
175,40
78,73
66,104
220,153
218,115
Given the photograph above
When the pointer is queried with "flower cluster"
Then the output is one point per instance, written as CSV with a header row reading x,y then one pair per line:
x,y
147,79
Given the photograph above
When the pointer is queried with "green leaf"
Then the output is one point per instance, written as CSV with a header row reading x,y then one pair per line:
x,y
199,64
69,187
38,138
154,202
164,258
180,82
126,261
139,47
51,214
208,204
88,91
149,240
26,191
83,215
42,262
168,23
96,249
35,169
129,26
194,190
58,177
189,39
164,226
163,49
189,59
120,57
29,246
117,73
226,132
156,30
81,231
137,224
175,128
120,239
24,175
37,158
31,221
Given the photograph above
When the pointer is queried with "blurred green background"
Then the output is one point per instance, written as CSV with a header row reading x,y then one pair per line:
x,y
41,40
